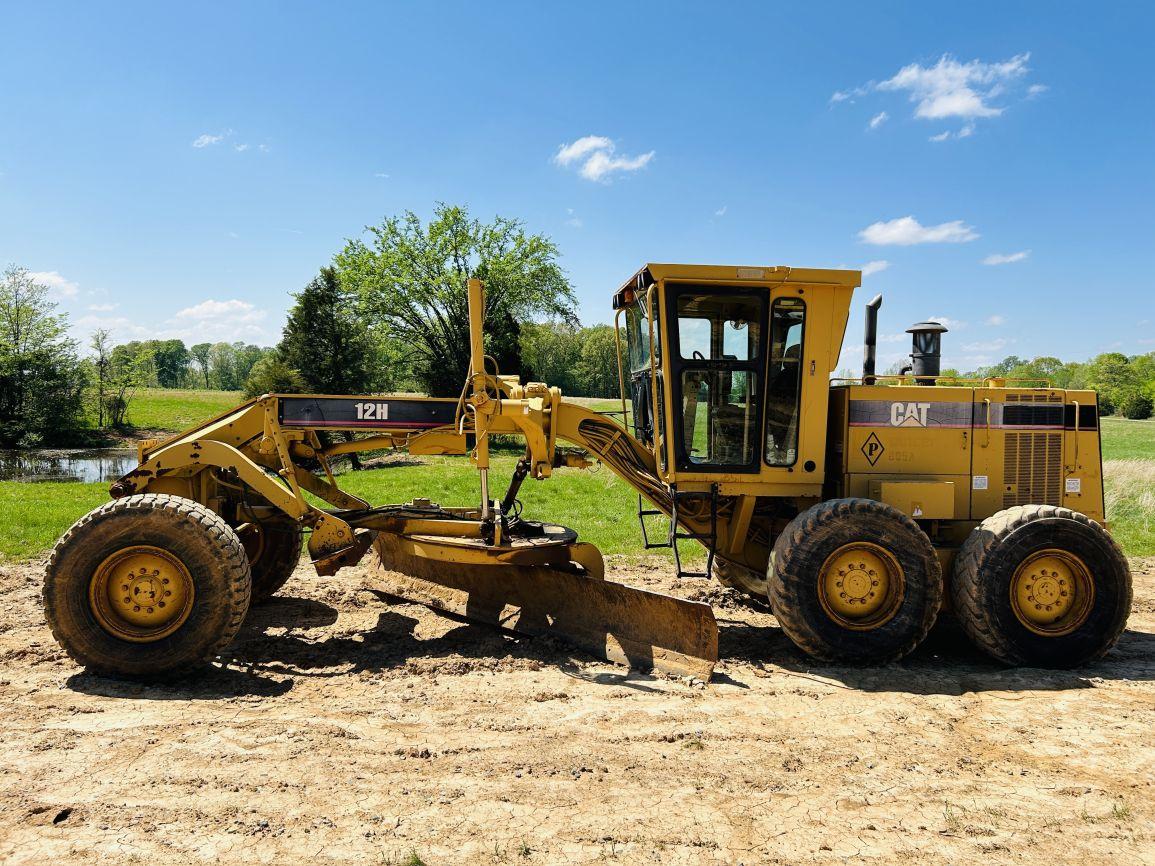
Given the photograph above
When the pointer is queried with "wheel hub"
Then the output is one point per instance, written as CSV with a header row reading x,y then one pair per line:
x,y
860,585
1052,592
141,593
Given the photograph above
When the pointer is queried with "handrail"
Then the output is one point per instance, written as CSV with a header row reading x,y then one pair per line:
x,y
621,371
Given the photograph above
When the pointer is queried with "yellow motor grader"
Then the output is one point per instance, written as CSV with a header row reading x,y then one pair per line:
x,y
857,509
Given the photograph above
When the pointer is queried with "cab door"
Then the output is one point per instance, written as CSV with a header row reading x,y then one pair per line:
x,y
717,358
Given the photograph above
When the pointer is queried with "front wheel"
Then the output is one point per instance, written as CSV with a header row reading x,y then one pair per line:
x,y
854,580
1042,586
273,549
745,580
146,586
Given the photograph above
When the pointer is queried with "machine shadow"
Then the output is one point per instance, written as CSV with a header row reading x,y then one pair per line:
x,y
263,664
944,664
390,644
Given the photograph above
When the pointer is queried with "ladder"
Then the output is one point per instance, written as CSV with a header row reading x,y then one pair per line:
x,y
674,535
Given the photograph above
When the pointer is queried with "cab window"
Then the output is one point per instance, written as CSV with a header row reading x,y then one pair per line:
x,y
784,381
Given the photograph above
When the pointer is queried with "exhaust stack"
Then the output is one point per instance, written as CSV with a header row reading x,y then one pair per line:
x,y
870,340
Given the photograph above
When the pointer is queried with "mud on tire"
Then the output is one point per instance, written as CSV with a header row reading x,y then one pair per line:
x,y
183,531
982,590
745,580
822,532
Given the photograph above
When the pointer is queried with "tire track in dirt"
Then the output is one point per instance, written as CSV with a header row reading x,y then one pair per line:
x,y
340,727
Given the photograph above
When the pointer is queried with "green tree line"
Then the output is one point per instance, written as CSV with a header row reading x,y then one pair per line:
x,y
388,314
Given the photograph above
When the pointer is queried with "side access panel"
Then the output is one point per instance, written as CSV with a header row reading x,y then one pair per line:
x,y
901,434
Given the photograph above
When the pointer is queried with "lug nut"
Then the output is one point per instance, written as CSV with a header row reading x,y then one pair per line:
x,y
164,580
136,608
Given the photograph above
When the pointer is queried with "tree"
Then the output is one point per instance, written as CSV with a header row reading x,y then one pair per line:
x,y
129,367
411,279
271,375
171,360
41,378
325,340
598,367
553,351
1111,375
201,354
101,346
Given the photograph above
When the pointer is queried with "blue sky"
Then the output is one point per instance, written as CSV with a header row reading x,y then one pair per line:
x,y
177,171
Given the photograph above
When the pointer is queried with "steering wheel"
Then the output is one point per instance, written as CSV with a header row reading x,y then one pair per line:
x,y
698,356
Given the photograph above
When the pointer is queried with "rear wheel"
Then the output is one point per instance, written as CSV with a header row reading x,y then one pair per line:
x,y
273,551
854,580
1041,585
146,586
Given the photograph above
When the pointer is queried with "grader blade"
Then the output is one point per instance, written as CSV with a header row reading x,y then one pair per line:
x,y
634,627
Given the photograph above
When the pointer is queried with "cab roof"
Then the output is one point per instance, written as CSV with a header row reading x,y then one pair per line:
x,y
765,275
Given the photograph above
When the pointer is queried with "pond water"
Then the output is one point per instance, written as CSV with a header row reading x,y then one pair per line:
x,y
91,464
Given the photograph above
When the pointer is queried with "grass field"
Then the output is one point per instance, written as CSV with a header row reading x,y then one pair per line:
x,y
602,507
174,409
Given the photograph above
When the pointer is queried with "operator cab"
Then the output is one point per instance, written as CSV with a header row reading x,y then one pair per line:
x,y
731,345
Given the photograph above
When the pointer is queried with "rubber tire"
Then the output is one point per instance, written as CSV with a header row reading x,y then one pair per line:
x,y
745,580
981,581
276,562
209,549
797,559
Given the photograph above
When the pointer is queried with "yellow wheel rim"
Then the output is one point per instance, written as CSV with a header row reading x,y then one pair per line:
x,y
141,594
1052,592
861,586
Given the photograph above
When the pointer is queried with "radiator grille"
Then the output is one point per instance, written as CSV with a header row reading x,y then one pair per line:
x,y
1033,469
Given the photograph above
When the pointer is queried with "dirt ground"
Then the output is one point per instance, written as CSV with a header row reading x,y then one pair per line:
x,y
342,727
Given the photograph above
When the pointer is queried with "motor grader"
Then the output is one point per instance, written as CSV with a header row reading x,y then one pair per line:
x,y
857,509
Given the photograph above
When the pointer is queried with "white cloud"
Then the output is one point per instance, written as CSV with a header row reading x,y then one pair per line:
x,y
596,160
950,89
206,139
570,153
875,267
721,212
1007,259
948,322
380,174
56,282
906,231
965,132
987,345
102,308
894,338
953,89
996,320
852,94
574,220
214,320
240,148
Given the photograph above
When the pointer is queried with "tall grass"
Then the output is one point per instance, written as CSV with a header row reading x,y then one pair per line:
x,y
1130,500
